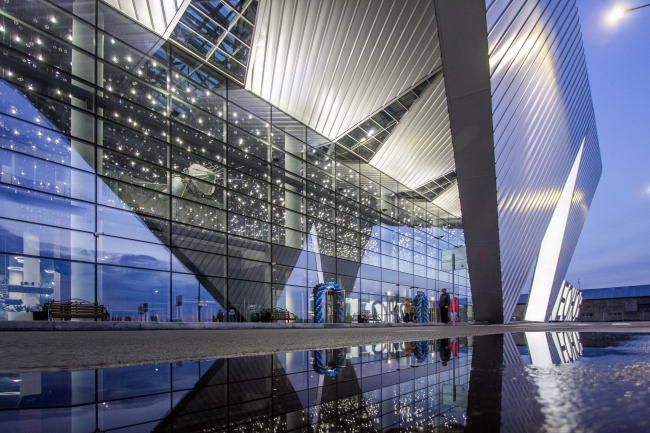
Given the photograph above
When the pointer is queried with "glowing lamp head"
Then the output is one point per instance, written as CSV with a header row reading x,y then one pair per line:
x,y
616,14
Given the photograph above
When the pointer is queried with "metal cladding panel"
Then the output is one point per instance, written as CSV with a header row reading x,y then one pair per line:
x,y
588,177
542,111
156,15
449,200
331,64
421,142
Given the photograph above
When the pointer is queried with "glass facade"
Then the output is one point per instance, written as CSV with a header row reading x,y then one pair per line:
x,y
136,175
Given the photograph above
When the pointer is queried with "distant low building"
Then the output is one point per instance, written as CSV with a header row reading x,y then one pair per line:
x,y
609,304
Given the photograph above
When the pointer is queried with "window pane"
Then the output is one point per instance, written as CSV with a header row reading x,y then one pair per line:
x,y
123,290
118,251
30,282
37,207
24,238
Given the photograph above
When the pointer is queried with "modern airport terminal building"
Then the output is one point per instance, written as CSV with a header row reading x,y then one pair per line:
x,y
187,161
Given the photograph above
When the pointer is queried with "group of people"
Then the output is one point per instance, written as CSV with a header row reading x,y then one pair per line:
x,y
444,304
409,311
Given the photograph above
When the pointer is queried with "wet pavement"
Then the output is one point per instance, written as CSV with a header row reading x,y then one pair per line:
x,y
515,382
27,351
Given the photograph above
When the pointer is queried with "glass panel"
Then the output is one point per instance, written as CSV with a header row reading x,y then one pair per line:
x,y
184,36
198,72
115,383
292,299
125,85
244,31
198,239
197,95
120,55
288,237
247,227
196,214
119,251
235,48
120,223
217,10
131,170
221,59
129,197
44,143
212,298
32,206
201,24
28,283
37,240
288,124
247,299
28,172
131,143
197,119
198,262
134,294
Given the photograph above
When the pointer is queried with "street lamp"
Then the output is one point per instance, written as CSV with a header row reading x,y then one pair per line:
x,y
618,13
151,312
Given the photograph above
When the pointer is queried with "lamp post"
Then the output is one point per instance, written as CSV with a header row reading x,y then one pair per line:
x,y
618,13
151,312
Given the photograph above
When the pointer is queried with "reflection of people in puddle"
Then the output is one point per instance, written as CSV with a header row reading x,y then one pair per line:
x,y
409,347
444,348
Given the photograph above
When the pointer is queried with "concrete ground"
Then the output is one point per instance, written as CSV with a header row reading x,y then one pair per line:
x,y
24,351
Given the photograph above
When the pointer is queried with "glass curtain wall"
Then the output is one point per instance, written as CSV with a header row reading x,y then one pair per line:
x,y
136,175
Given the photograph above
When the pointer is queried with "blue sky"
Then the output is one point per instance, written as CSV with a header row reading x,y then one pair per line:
x,y
614,247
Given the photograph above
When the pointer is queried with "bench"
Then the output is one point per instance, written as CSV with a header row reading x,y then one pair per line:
x,y
275,314
366,317
76,309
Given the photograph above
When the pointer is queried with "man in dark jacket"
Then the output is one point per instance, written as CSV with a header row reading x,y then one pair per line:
x,y
443,304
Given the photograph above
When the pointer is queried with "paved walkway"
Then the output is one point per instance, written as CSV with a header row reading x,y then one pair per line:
x,y
41,351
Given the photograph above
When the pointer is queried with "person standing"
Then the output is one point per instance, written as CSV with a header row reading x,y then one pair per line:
x,y
407,310
396,313
444,304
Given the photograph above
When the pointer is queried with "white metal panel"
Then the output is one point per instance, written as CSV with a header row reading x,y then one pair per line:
x,y
114,3
156,15
142,13
421,142
126,7
449,200
333,63
169,7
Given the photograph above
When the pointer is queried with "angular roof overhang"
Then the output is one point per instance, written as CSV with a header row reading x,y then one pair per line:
x,y
334,65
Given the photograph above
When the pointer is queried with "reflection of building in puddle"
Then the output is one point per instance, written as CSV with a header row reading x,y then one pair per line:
x,y
382,387
530,385
553,347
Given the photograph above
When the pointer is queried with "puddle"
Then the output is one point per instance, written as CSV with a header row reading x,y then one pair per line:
x,y
521,382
